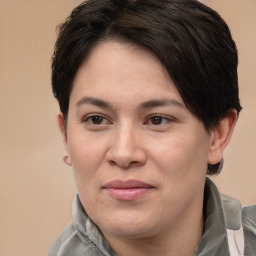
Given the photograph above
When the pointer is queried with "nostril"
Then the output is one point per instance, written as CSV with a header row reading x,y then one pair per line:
x,y
134,163
124,165
112,162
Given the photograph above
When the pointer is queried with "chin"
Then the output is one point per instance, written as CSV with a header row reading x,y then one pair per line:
x,y
127,226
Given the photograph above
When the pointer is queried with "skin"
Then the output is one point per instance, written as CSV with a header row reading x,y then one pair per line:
x,y
126,121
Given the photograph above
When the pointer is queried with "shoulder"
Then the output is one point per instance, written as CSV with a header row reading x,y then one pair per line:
x,y
68,243
249,227
240,224
249,216
235,214
81,237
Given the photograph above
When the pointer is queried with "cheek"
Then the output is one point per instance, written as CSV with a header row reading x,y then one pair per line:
x,y
87,154
170,152
86,162
182,164
180,156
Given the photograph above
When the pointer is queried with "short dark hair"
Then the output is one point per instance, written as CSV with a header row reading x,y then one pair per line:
x,y
190,39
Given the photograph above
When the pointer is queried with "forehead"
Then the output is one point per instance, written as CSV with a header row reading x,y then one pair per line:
x,y
109,55
124,67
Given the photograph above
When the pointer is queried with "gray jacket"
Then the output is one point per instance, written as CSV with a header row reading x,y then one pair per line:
x,y
229,230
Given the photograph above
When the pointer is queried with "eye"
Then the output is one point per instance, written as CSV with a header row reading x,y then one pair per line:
x,y
95,120
158,120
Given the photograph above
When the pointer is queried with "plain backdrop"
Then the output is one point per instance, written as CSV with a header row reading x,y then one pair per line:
x,y
36,188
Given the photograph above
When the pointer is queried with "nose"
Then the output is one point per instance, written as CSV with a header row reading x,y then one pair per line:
x,y
126,149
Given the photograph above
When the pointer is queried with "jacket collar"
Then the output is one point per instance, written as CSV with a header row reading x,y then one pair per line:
x,y
214,240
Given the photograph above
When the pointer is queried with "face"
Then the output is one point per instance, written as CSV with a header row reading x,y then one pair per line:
x,y
139,156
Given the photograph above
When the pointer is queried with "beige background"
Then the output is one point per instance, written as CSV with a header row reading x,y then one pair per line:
x,y
36,188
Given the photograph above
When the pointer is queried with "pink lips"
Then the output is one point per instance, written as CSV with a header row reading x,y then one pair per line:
x,y
127,190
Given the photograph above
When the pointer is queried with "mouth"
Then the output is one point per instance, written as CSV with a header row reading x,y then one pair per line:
x,y
127,190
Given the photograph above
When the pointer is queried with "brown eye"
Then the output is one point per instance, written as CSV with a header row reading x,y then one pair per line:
x,y
156,120
97,119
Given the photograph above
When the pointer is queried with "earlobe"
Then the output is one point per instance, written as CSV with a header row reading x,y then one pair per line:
x,y
220,136
66,156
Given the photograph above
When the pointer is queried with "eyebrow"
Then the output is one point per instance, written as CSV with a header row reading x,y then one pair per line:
x,y
144,105
160,103
93,101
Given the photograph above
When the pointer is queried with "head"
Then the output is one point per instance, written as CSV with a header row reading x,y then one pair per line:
x,y
149,98
192,42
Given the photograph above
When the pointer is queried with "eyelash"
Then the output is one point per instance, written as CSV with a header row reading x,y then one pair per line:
x,y
101,120
162,118
89,119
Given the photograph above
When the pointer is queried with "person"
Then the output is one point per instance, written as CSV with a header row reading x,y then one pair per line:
x,y
148,96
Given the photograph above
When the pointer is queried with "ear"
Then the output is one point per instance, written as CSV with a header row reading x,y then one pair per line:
x,y
220,136
66,157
